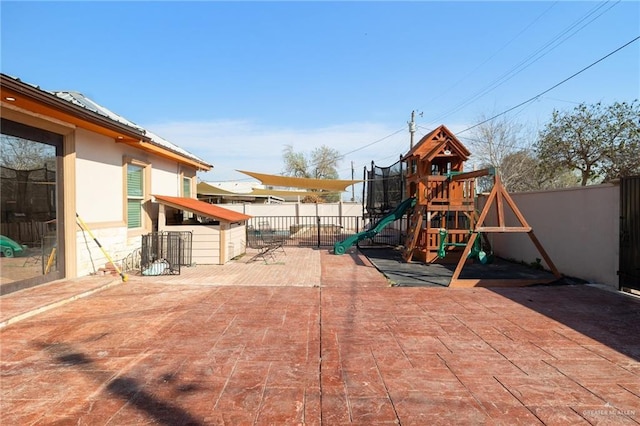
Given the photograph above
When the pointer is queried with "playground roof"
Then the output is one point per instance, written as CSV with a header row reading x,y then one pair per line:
x,y
433,143
331,185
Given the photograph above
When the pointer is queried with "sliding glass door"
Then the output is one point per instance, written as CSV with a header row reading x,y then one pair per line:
x,y
30,245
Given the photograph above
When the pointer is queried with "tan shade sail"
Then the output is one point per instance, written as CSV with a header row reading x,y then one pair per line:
x,y
281,193
206,189
332,185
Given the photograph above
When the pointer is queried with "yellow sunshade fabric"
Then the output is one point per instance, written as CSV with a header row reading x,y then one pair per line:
x,y
210,190
206,189
333,185
281,193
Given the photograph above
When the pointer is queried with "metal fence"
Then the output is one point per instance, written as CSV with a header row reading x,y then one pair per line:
x,y
165,252
629,258
322,231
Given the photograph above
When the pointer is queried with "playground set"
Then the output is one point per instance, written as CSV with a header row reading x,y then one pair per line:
x,y
443,221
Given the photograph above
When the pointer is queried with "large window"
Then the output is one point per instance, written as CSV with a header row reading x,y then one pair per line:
x,y
30,220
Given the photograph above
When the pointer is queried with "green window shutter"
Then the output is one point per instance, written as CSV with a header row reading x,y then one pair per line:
x,y
135,194
134,213
186,187
134,181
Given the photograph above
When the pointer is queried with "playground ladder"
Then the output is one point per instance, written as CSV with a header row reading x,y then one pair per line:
x,y
415,224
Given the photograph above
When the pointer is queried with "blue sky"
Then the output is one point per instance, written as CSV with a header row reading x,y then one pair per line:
x,y
234,82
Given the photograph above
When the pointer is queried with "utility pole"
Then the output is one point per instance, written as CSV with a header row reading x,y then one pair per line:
x,y
353,190
412,127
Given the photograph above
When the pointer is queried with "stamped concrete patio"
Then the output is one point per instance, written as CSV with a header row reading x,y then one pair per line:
x,y
313,338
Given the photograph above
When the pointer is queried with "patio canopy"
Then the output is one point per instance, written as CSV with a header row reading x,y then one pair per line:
x,y
331,185
201,208
206,189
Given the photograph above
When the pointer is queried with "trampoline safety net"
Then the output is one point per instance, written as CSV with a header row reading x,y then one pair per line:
x,y
384,188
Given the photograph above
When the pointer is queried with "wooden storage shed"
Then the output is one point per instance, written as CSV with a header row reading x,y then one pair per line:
x,y
218,234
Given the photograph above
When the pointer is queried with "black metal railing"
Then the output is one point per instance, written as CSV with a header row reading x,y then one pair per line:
x,y
165,252
321,231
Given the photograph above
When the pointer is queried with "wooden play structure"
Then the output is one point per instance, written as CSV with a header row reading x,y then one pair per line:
x,y
445,226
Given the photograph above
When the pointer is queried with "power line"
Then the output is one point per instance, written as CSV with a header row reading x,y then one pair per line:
x,y
552,87
547,48
373,143
504,46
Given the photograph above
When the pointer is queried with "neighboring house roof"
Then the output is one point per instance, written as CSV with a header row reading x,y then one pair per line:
x,y
84,112
432,144
332,185
201,208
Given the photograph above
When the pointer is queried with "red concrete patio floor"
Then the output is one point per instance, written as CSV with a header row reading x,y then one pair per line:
x,y
315,338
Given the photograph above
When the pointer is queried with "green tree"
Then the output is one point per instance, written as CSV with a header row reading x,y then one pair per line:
x,y
600,142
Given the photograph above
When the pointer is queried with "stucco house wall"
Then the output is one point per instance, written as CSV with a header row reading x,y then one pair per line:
x,y
100,195
578,228
91,172
98,178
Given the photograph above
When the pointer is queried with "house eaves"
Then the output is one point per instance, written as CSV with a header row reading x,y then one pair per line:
x,y
74,108
33,98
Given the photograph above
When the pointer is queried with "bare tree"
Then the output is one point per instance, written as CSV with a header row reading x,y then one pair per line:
x,y
321,165
295,163
20,154
324,161
504,145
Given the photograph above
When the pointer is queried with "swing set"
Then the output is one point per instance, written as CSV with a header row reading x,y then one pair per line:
x,y
444,225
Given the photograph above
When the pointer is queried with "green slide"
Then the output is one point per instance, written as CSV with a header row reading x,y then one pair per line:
x,y
341,246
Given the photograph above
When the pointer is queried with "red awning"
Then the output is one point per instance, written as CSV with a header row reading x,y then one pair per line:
x,y
201,208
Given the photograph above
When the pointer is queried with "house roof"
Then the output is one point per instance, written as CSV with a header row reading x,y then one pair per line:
x,y
433,143
76,108
332,185
201,208
81,100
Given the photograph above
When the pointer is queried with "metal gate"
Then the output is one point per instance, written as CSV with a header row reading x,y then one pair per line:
x,y
164,252
629,262
314,231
